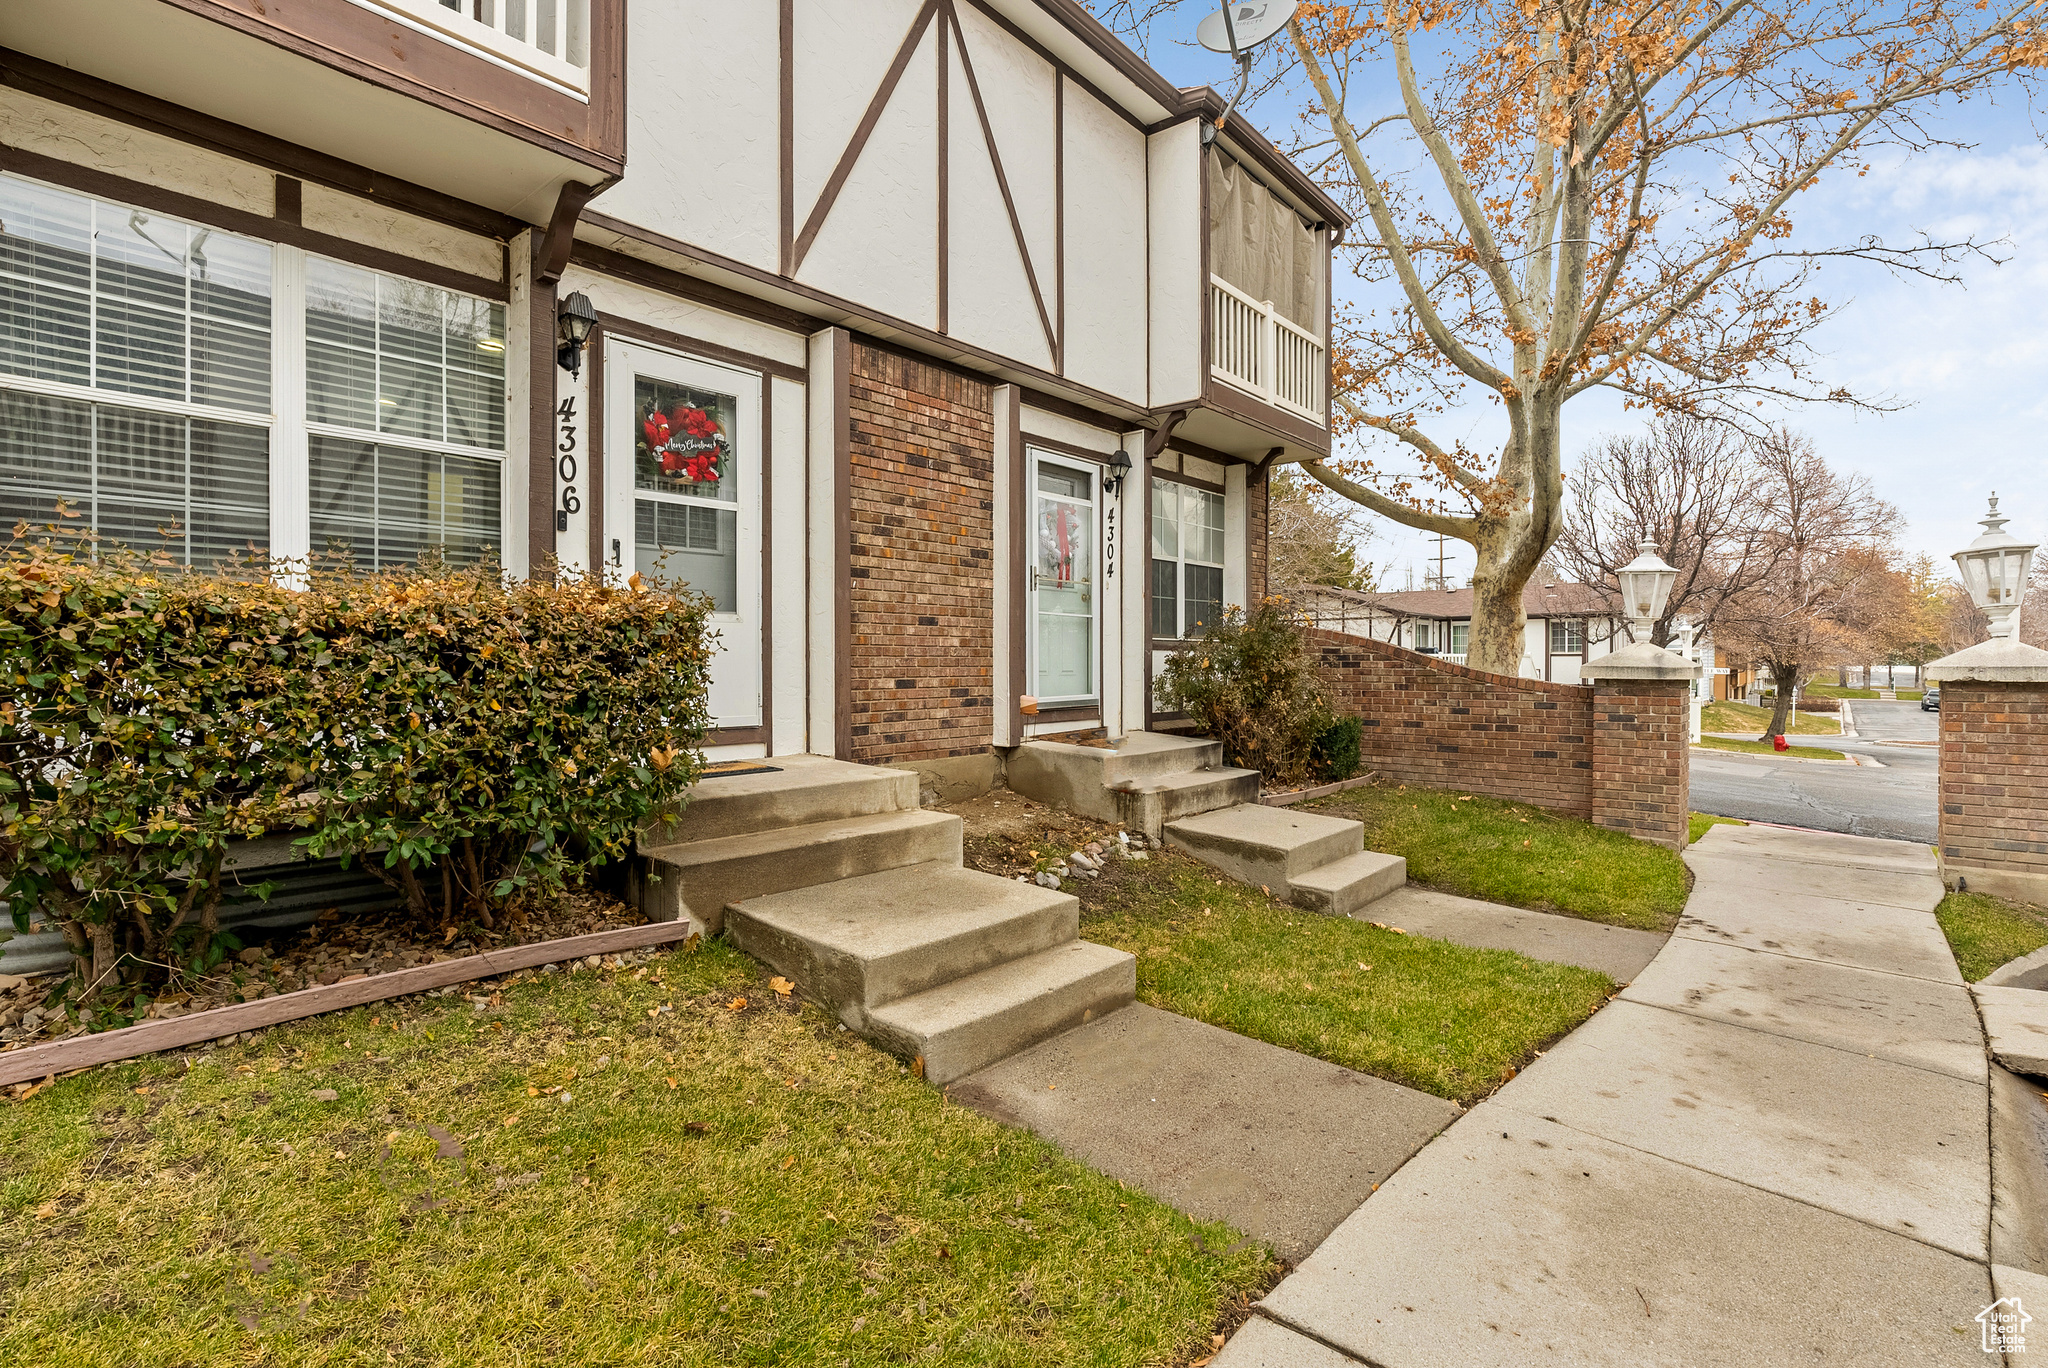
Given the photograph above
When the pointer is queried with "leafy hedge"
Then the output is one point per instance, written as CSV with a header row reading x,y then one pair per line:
x,y
1253,682
465,736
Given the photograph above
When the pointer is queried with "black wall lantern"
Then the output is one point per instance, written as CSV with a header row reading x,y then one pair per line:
x,y
574,318
1118,467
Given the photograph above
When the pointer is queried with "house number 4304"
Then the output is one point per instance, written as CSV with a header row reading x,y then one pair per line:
x,y
565,464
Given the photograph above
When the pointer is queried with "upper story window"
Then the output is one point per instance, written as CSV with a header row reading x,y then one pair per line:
x,y
1567,636
140,365
1187,559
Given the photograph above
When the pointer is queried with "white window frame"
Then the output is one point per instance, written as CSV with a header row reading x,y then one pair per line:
x,y
1571,627
290,506
1180,559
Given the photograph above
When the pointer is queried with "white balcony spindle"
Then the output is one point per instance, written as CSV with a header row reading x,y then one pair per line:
x,y
546,39
1256,349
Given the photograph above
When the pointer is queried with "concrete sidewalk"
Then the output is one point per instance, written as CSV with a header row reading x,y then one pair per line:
x,y
1773,1149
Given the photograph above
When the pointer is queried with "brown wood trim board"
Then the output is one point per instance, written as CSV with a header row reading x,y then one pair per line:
x,y
1000,368
540,423
83,1052
1066,448
1020,529
605,261
945,119
123,105
842,543
142,195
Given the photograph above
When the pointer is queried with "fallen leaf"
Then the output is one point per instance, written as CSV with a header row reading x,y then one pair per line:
x,y
142,1092
47,1210
782,986
533,1092
789,1162
917,1067
1363,965
736,1004
671,1084
697,1127
448,936
511,1120
323,1094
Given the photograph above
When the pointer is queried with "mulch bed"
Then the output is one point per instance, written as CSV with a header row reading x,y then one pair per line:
x,y
331,950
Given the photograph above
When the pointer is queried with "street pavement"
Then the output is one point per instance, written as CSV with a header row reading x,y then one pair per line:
x,y
1896,802
1770,1150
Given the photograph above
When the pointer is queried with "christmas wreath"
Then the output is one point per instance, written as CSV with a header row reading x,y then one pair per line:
x,y
689,443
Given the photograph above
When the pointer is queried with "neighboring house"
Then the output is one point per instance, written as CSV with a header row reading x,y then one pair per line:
x,y
1569,624
885,295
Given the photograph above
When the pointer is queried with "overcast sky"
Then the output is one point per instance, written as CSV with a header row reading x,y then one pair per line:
x,y
1966,361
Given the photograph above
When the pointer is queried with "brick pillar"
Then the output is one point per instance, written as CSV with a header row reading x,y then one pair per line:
x,y
1994,770
1641,757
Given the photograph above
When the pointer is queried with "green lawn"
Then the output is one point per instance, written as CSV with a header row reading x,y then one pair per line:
x,y
1837,691
669,1167
1723,743
1520,855
1740,717
1444,1018
1699,823
1985,932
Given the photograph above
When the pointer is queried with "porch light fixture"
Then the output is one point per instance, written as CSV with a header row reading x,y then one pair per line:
x,y
1119,466
1645,584
1994,570
574,318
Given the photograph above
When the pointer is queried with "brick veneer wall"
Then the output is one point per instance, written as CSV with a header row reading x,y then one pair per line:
x,y
1994,787
922,485
1614,753
1257,488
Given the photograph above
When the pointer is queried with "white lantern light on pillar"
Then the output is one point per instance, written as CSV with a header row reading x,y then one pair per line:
x,y
1994,569
1645,585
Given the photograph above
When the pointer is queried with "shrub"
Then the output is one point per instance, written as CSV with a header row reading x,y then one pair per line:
x,y
464,736
1335,753
1252,682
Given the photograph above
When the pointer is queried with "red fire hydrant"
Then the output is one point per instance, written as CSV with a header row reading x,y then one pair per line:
x,y
1779,743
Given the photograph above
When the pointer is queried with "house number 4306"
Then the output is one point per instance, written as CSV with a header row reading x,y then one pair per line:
x,y
565,464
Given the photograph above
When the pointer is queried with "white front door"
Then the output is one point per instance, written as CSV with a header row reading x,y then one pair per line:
x,y
1063,584
683,499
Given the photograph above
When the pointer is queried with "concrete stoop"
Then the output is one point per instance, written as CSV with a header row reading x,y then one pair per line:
x,y
1145,781
1320,863
829,873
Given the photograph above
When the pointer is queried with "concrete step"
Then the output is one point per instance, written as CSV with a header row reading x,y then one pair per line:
x,y
1149,806
1343,886
805,789
1079,778
972,1022
1266,845
702,878
861,943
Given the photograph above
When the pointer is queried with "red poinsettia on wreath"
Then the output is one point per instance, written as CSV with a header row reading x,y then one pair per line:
x,y
688,442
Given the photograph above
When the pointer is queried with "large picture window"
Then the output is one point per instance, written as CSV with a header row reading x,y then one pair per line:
x,y
1187,559
137,389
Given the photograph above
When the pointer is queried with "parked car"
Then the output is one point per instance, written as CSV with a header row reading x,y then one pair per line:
x,y
1931,701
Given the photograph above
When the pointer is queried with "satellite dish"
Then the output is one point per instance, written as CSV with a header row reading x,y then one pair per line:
x,y
1249,22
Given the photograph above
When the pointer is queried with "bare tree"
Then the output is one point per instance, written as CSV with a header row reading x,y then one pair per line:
x,y
2034,605
1570,195
1832,534
1313,537
1688,484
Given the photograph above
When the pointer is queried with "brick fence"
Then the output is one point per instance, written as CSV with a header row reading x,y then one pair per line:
x,y
1994,787
1614,752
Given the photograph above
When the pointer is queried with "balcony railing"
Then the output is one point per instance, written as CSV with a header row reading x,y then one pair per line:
x,y
545,39
1256,349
